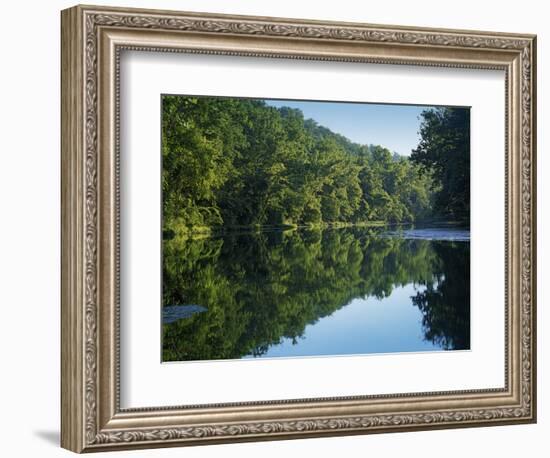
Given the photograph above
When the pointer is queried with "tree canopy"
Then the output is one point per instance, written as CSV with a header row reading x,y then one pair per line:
x,y
231,162
444,151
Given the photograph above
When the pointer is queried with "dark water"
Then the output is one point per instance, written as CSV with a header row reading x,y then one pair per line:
x,y
311,293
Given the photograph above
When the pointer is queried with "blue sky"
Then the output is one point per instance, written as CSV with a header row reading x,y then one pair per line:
x,y
393,126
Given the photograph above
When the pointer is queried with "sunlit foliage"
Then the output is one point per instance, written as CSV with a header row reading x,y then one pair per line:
x,y
239,162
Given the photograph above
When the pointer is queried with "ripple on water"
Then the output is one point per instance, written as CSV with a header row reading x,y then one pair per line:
x,y
454,235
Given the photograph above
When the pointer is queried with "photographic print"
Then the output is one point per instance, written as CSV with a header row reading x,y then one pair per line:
x,y
253,243
294,228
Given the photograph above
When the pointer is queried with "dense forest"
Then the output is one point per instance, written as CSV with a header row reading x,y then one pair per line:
x,y
262,287
230,163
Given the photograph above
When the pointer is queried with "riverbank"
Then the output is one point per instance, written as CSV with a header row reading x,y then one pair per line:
x,y
199,232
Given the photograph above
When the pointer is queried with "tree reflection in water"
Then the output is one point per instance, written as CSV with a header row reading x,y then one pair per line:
x,y
260,288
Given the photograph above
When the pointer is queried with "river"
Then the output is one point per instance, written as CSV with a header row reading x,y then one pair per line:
x,y
304,293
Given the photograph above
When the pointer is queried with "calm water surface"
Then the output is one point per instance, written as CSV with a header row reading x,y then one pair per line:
x,y
314,293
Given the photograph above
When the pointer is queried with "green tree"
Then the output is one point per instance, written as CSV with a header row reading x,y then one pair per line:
x,y
444,152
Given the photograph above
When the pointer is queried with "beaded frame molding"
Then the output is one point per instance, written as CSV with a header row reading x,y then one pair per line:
x,y
92,40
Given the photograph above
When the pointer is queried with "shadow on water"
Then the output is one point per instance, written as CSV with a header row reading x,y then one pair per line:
x,y
256,289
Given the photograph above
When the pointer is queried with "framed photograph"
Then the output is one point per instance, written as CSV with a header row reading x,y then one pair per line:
x,y
279,228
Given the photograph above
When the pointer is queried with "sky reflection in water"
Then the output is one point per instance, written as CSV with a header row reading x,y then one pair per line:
x,y
363,326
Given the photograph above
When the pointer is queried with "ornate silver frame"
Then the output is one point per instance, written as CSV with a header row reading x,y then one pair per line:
x,y
92,38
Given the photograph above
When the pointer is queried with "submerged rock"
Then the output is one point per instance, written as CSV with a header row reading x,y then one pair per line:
x,y
172,313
